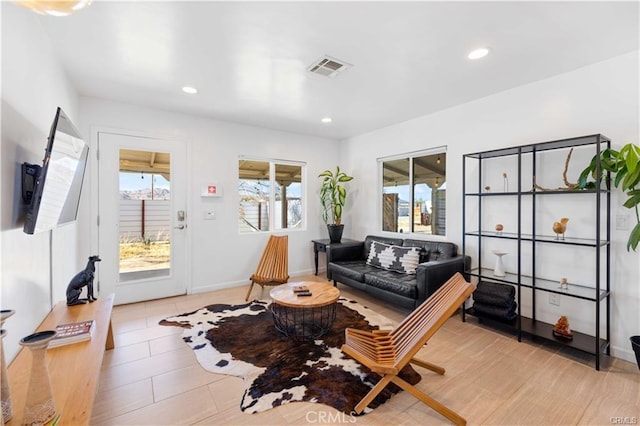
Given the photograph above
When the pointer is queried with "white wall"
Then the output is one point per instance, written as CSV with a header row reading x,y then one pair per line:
x,y
33,85
220,256
601,98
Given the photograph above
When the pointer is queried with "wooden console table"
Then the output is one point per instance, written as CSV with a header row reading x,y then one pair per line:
x,y
74,369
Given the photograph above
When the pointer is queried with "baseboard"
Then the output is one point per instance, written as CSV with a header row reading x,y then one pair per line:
x,y
231,284
623,353
306,272
218,286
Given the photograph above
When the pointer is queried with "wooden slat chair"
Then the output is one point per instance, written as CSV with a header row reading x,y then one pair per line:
x,y
273,268
386,352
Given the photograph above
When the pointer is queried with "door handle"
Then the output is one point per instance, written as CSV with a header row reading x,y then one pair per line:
x,y
180,226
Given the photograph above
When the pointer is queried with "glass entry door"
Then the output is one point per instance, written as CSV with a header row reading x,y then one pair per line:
x,y
142,230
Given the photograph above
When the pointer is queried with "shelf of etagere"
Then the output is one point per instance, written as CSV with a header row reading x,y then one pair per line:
x,y
580,291
586,242
580,341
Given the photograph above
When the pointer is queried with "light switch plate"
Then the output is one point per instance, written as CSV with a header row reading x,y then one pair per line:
x,y
209,215
622,222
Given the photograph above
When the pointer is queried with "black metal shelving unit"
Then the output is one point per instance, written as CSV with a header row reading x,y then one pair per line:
x,y
596,292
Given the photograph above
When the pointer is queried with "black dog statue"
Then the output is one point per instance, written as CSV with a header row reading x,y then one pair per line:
x,y
82,278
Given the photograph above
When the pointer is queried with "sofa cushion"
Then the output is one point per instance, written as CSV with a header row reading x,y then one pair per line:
x,y
394,258
402,284
424,253
433,250
353,269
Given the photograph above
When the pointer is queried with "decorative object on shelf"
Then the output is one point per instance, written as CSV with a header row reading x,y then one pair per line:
x,y
487,188
505,182
73,333
498,270
495,300
332,198
4,315
625,166
39,405
560,227
561,329
563,284
499,228
81,279
568,186
7,406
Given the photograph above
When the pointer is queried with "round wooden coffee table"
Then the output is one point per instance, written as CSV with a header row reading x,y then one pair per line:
x,y
304,317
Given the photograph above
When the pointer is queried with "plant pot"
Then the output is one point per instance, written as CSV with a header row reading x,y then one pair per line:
x,y
335,232
635,344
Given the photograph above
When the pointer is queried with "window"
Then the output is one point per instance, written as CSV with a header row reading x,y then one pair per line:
x,y
271,196
414,193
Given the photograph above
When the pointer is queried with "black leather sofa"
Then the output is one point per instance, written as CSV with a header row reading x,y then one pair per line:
x,y
347,264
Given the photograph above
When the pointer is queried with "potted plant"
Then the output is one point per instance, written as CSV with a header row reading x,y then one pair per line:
x,y
332,196
624,166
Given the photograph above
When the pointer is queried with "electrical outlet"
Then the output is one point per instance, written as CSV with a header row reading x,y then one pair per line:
x,y
554,299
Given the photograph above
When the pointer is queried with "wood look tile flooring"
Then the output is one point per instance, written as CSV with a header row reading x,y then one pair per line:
x,y
153,378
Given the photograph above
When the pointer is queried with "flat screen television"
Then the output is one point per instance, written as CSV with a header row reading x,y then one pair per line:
x,y
58,183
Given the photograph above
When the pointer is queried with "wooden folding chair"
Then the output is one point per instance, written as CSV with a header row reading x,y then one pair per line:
x,y
387,352
273,268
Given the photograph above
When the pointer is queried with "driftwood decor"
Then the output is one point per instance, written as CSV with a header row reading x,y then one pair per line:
x,y
569,186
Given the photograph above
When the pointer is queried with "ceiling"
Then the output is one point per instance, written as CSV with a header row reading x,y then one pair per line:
x,y
249,60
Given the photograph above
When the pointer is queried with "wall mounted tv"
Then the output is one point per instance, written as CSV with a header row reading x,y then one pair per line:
x,y
57,184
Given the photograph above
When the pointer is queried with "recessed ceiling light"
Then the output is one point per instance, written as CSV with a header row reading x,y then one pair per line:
x,y
190,90
478,53
326,119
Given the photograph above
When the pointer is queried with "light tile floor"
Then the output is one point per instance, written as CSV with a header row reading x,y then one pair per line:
x,y
152,377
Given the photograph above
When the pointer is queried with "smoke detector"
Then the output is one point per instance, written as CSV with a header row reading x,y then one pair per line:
x,y
328,66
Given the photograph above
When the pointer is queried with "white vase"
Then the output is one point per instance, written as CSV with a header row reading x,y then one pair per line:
x,y
39,406
498,269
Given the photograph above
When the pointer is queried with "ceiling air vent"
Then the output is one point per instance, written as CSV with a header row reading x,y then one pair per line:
x,y
328,66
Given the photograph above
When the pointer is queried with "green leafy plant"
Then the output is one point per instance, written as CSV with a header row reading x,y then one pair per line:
x,y
624,165
333,195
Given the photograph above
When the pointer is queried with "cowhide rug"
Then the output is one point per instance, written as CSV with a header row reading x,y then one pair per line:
x,y
241,340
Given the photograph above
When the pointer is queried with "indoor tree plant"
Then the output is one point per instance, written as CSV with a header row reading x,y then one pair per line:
x,y
332,196
624,166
